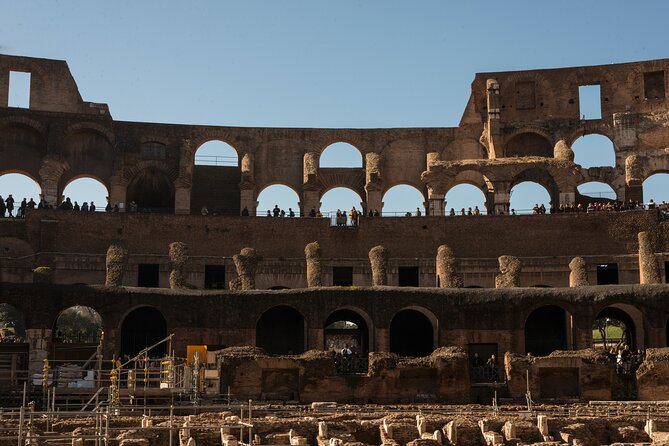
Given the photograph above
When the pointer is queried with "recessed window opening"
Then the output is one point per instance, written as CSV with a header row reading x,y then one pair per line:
x,y
148,275
590,102
342,276
607,274
19,89
653,85
214,277
408,276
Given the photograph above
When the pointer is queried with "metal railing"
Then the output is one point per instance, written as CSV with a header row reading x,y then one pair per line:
x,y
351,365
211,160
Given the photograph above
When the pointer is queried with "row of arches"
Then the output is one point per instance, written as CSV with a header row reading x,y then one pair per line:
x,y
397,200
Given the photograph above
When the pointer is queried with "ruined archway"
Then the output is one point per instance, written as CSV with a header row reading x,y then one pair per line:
x,y
463,197
412,333
280,331
614,327
141,328
341,198
402,199
152,190
594,150
546,330
526,195
346,327
278,196
216,153
595,191
12,324
87,152
87,190
76,333
656,188
22,149
20,186
529,144
340,154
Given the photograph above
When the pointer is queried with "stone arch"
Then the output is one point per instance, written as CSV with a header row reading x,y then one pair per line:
x,y
152,189
21,185
280,330
22,148
540,177
216,152
529,143
360,338
413,332
656,186
78,324
353,156
93,189
343,201
412,196
546,330
279,194
12,324
587,193
143,327
589,145
631,317
87,152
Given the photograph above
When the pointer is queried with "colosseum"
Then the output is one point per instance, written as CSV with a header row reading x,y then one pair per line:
x,y
496,329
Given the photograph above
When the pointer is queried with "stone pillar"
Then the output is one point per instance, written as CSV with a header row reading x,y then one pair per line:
x,y
50,171
373,182
115,263
314,272
562,151
502,197
445,266
436,204
38,348
4,88
310,187
649,269
246,263
509,267
493,127
378,257
247,187
179,260
635,166
578,276
117,194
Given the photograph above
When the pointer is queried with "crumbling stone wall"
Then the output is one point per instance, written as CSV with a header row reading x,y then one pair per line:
x,y
246,263
578,276
562,151
445,267
649,269
115,263
314,271
179,260
509,267
378,257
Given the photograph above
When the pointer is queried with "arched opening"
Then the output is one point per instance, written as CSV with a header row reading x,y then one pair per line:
x,y
346,328
78,325
340,198
594,151
612,329
152,191
529,144
141,328
276,198
340,154
411,334
546,330
22,149
88,191
88,152
403,200
280,331
656,188
20,187
462,198
76,333
595,192
12,325
216,153
527,195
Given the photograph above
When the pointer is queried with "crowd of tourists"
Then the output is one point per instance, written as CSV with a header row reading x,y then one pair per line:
x,y
625,360
485,371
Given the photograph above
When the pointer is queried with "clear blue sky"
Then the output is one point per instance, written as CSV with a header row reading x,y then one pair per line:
x,y
317,63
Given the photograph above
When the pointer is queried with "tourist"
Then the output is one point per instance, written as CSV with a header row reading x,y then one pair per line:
x,y
462,211
84,206
269,214
276,211
31,204
418,213
9,204
477,361
353,215
282,213
204,211
312,213
377,213
346,351
245,212
76,207
469,212
91,208
477,212
452,213
291,213
491,364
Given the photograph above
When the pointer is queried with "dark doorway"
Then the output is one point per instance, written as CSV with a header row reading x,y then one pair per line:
x,y
607,274
546,330
411,334
214,277
152,190
280,331
346,327
408,276
148,275
613,327
666,272
142,328
342,276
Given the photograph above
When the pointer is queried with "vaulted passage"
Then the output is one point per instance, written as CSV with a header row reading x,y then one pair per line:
x,y
613,328
346,327
280,331
411,334
142,328
546,330
152,190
